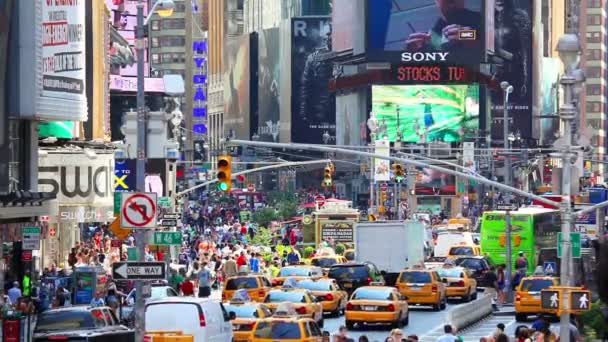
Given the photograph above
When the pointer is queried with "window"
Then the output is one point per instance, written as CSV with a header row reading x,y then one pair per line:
x,y
594,89
594,54
166,57
594,37
155,25
594,72
155,58
174,24
594,106
155,42
178,58
594,19
169,41
594,3
180,7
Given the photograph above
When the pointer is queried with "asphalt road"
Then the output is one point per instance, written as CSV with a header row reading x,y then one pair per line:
x,y
423,321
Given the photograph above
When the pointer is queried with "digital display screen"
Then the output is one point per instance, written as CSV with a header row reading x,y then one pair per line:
x,y
425,31
416,74
445,113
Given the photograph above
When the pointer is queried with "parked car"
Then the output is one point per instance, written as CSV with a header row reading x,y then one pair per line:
x,y
206,319
479,265
81,323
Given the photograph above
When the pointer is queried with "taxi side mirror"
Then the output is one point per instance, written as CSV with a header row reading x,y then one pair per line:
x,y
232,315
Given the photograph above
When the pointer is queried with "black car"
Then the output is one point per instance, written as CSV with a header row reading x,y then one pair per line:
x,y
351,276
479,265
81,323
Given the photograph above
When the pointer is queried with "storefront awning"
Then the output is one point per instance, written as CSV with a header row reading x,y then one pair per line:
x,y
15,210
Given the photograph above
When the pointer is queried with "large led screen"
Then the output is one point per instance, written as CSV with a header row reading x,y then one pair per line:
x,y
444,113
425,31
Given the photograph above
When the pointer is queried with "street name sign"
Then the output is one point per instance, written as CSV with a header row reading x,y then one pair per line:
x,y
168,223
30,237
138,270
138,210
506,207
168,238
171,216
575,241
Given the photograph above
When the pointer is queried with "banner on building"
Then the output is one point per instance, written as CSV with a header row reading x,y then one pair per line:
x,y
313,106
237,90
382,167
269,77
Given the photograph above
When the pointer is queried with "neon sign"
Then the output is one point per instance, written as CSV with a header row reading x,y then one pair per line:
x,y
199,80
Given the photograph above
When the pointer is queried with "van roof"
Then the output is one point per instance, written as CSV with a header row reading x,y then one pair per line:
x,y
177,300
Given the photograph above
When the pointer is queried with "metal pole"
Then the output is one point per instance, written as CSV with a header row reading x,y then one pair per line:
x,y
395,203
567,115
371,187
507,88
140,234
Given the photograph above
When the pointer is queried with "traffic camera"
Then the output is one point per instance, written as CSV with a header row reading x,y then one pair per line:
x,y
398,173
224,173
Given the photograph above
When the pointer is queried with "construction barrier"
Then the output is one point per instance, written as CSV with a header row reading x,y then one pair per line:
x,y
167,336
467,314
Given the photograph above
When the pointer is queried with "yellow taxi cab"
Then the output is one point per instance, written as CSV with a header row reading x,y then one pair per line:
x,y
246,314
463,249
328,293
527,295
422,287
304,302
459,282
378,305
298,272
257,286
286,325
327,261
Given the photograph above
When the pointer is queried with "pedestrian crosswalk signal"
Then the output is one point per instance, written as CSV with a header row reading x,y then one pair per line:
x,y
224,173
550,299
327,180
580,300
398,173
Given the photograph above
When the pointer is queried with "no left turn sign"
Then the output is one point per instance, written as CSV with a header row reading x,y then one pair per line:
x,y
138,210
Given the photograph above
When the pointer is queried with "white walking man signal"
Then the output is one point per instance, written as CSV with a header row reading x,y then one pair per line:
x,y
554,300
583,302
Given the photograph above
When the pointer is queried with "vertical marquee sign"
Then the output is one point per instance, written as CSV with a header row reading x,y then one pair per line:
x,y
199,80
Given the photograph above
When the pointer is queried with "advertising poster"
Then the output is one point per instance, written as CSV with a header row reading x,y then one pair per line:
x,y
63,50
237,87
425,31
433,183
549,88
338,231
269,76
382,167
443,113
124,19
343,24
513,45
313,106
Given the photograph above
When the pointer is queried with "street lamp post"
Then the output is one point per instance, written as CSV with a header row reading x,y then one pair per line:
x,y
372,125
507,89
569,50
164,8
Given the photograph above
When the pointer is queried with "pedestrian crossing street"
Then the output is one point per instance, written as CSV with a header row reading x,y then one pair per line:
x,y
483,328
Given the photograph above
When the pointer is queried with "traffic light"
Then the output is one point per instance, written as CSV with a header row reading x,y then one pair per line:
x,y
327,172
382,197
398,172
224,173
580,300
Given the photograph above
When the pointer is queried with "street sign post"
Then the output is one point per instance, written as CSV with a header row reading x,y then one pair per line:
x,y
168,238
550,299
138,210
575,241
30,238
138,270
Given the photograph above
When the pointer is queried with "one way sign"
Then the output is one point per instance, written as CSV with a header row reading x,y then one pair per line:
x,y
138,270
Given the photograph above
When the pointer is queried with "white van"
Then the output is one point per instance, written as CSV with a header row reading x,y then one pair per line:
x,y
204,318
447,238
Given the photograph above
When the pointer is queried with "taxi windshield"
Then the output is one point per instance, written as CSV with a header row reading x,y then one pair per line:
x,y
416,277
372,294
463,250
450,272
294,271
324,262
241,283
285,296
315,285
278,330
535,285
244,311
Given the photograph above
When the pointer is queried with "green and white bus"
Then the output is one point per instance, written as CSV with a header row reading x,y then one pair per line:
x,y
534,232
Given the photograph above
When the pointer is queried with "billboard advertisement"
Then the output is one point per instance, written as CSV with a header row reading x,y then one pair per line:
x,y
269,77
237,87
313,106
513,45
549,87
426,113
425,31
433,183
124,19
343,21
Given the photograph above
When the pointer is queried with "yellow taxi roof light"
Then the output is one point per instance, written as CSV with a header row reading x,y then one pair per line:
x,y
290,283
285,310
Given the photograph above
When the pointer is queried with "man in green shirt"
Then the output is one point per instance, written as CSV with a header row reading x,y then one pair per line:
x,y
27,284
175,280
